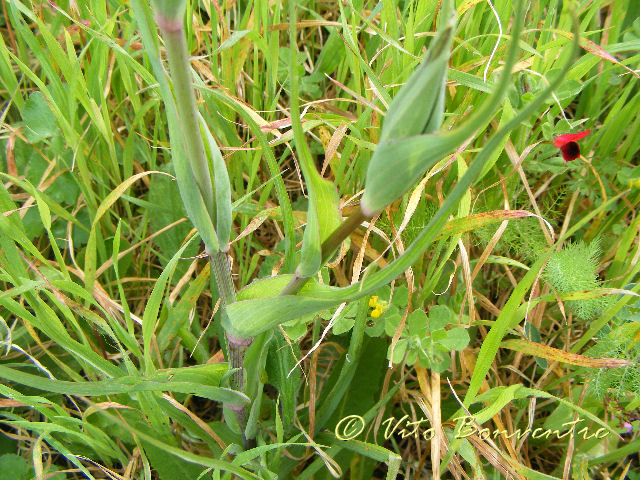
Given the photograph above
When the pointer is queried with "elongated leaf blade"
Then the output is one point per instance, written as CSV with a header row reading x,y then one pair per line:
x,y
222,190
416,110
191,380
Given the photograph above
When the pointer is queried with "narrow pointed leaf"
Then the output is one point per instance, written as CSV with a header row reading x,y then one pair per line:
x,y
201,380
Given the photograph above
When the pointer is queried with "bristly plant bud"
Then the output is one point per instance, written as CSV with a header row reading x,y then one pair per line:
x,y
417,109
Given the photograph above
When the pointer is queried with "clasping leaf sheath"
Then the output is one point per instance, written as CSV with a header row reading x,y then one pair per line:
x,y
323,215
419,105
222,188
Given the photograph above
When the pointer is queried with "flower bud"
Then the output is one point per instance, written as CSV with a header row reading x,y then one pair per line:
x,y
416,110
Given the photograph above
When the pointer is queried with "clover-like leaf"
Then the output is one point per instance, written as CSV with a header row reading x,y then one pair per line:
x,y
439,317
412,356
399,351
417,323
455,339
391,323
400,297
441,363
376,329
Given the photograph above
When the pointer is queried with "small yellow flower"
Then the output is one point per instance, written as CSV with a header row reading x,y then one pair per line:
x,y
373,301
377,311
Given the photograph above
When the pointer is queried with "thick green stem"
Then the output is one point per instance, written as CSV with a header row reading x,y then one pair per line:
x,y
180,68
237,346
330,245
340,234
222,274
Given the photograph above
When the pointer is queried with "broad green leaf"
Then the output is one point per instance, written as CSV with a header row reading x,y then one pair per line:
x,y
40,122
13,467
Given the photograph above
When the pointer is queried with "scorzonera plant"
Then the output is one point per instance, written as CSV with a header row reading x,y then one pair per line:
x,y
411,142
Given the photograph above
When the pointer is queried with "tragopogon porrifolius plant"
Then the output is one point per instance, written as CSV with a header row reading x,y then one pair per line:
x,y
411,142
305,239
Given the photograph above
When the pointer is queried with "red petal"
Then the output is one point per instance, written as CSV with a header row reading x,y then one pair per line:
x,y
569,137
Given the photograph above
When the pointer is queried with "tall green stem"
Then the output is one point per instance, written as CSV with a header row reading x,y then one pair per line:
x,y
180,68
171,26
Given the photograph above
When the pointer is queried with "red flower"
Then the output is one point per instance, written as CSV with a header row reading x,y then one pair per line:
x,y
567,144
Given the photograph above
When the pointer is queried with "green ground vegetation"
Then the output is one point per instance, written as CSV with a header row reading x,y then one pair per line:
x,y
521,308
